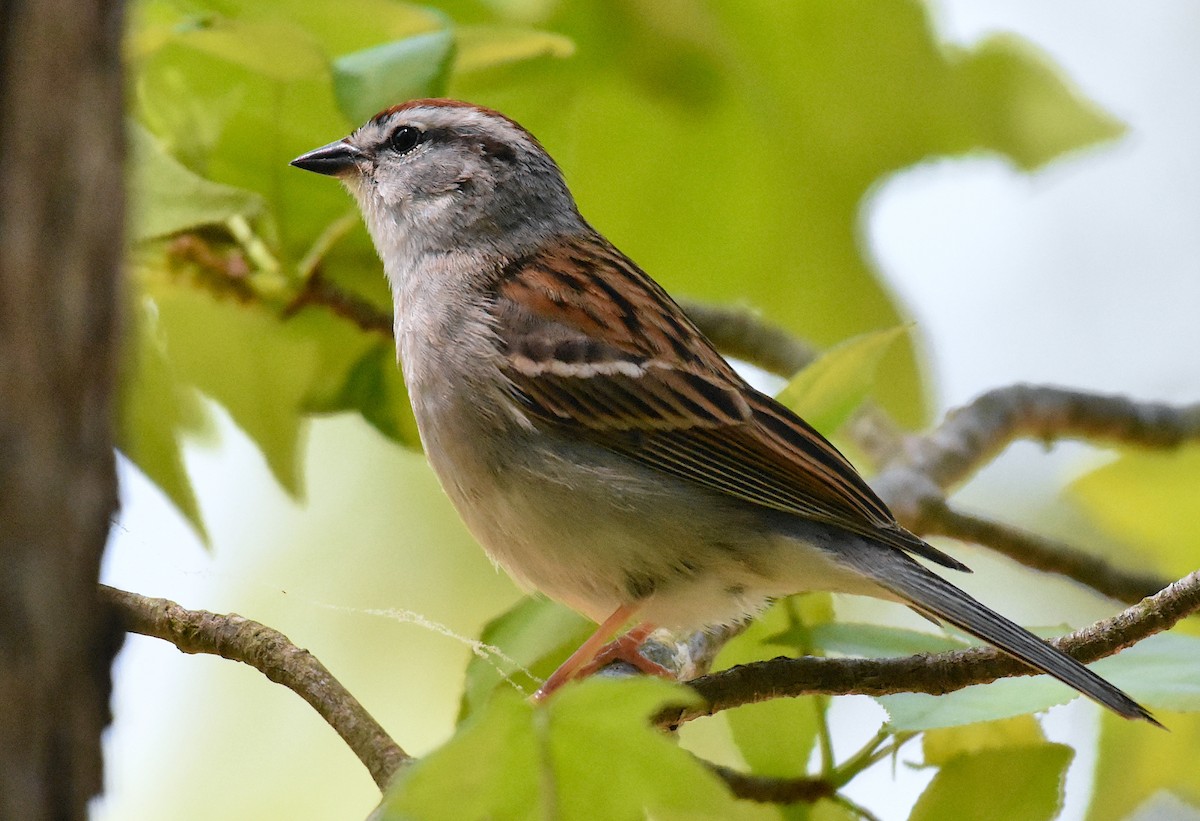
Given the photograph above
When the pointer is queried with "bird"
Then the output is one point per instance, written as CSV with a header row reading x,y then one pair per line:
x,y
592,439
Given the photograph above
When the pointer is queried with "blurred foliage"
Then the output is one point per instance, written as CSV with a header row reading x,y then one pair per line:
x,y
747,134
1148,501
832,387
1133,766
1025,773
729,148
997,783
533,638
588,753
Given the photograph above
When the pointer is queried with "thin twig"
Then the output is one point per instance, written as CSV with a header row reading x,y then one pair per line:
x,y
1043,554
275,656
773,790
741,333
334,232
318,290
973,435
916,481
859,810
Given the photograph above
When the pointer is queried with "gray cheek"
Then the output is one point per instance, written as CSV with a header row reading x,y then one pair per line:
x,y
392,193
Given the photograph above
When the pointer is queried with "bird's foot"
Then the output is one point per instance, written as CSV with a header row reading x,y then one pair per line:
x,y
587,660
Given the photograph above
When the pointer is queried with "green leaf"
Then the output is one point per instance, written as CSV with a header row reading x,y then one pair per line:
x,y
1148,499
167,198
156,412
587,753
1136,761
348,25
257,367
832,387
999,784
356,371
368,81
594,723
749,184
373,386
942,746
276,49
250,125
1162,672
487,48
1033,116
535,635
983,702
879,641
376,389
489,769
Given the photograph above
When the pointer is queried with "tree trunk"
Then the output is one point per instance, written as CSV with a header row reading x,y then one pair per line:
x,y
61,221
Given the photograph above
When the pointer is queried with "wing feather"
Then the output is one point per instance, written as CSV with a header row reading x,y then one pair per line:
x,y
594,346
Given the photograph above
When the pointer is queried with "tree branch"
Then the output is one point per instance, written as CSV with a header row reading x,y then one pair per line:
x,y
741,333
916,480
918,472
318,290
971,436
1041,553
772,790
925,673
276,657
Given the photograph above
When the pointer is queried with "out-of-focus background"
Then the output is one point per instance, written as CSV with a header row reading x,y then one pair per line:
x,y
1082,272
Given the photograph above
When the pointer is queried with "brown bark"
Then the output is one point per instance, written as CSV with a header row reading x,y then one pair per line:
x,y
61,220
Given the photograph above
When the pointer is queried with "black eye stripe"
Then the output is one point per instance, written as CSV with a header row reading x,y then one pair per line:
x,y
404,139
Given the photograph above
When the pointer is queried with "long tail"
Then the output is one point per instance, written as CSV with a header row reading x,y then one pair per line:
x,y
934,595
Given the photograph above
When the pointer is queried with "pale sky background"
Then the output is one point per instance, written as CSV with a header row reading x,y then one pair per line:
x,y
1084,275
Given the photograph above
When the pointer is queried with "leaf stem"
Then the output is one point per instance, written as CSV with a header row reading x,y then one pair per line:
x,y
332,234
865,757
269,280
857,809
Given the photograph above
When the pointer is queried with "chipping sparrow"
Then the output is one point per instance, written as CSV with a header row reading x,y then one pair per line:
x,y
593,440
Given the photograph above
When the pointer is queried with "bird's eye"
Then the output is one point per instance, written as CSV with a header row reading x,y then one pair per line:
x,y
404,139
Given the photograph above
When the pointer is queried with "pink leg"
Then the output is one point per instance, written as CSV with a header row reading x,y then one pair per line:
x,y
625,648
583,660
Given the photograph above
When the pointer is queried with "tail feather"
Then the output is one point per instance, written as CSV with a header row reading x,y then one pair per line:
x,y
928,592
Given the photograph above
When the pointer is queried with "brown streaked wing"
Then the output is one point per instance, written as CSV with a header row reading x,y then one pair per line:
x,y
595,346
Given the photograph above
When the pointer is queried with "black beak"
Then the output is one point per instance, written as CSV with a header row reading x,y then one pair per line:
x,y
333,159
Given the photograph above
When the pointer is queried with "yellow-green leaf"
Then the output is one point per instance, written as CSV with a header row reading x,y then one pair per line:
x,y
1034,115
166,197
370,80
484,48
1005,698
1149,499
589,752
775,737
535,635
827,391
997,784
1136,761
941,746
156,413
258,368
277,49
